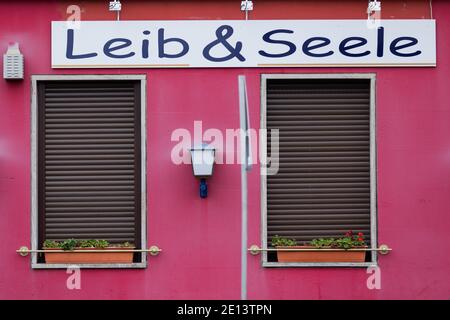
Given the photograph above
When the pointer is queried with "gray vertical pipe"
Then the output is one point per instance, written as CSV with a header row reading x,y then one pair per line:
x,y
244,233
243,158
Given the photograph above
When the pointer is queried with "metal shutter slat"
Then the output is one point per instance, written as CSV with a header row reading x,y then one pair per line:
x,y
322,188
92,183
90,162
86,219
318,196
90,214
278,221
104,209
97,187
72,193
122,196
126,147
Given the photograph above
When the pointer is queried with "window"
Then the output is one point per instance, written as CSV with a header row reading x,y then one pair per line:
x,y
325,183
88,158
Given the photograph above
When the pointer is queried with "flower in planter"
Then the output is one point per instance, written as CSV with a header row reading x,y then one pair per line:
x,y
360,236
348,241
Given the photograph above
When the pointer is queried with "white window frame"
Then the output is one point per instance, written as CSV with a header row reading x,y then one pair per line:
x,y
34,162
373,169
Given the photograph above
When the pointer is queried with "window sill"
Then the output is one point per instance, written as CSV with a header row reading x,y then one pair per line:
x,y
319,264
140,265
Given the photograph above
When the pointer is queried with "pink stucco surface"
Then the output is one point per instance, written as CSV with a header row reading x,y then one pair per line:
x,y
201,238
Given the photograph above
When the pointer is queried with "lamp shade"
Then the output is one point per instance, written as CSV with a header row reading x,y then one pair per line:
x,y
202,161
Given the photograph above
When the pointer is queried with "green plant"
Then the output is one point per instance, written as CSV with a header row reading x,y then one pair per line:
x,y
68,244
126,245
51,244
321,242
123,245
101,244
71,244
278,241
346,242
85,243
93,243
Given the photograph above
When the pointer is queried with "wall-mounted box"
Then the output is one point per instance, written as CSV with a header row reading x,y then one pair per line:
x,y
13,63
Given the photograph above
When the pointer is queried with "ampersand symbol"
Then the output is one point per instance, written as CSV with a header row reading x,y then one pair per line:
x,y
223,33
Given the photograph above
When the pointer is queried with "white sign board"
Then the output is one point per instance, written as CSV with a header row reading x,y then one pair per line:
x,y
236,43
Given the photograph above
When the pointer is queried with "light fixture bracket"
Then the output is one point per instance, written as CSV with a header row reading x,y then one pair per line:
x,y
246,5
374,6
115,5
202,159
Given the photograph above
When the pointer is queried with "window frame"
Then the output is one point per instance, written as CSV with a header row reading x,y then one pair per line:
x,y
34,167
373,168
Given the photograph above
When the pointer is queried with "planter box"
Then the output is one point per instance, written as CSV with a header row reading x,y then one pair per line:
x,y
319,256
69,257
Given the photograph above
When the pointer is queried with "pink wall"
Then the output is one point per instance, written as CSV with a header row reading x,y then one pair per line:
x,y
201,238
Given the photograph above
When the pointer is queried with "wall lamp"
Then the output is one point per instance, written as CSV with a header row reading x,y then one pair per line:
x,y
202,159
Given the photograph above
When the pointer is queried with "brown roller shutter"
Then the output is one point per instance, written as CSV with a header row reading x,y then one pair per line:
x,y
89,160
322,188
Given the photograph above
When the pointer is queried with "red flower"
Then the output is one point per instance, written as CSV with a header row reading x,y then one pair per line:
x,y
349,234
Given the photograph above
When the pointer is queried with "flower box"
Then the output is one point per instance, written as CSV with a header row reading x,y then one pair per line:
x,y
75,257
319,256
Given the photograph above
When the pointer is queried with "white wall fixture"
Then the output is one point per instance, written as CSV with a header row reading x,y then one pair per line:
x,y
373,9
246,6
374,14
202,158
115,6
13,63
374,6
